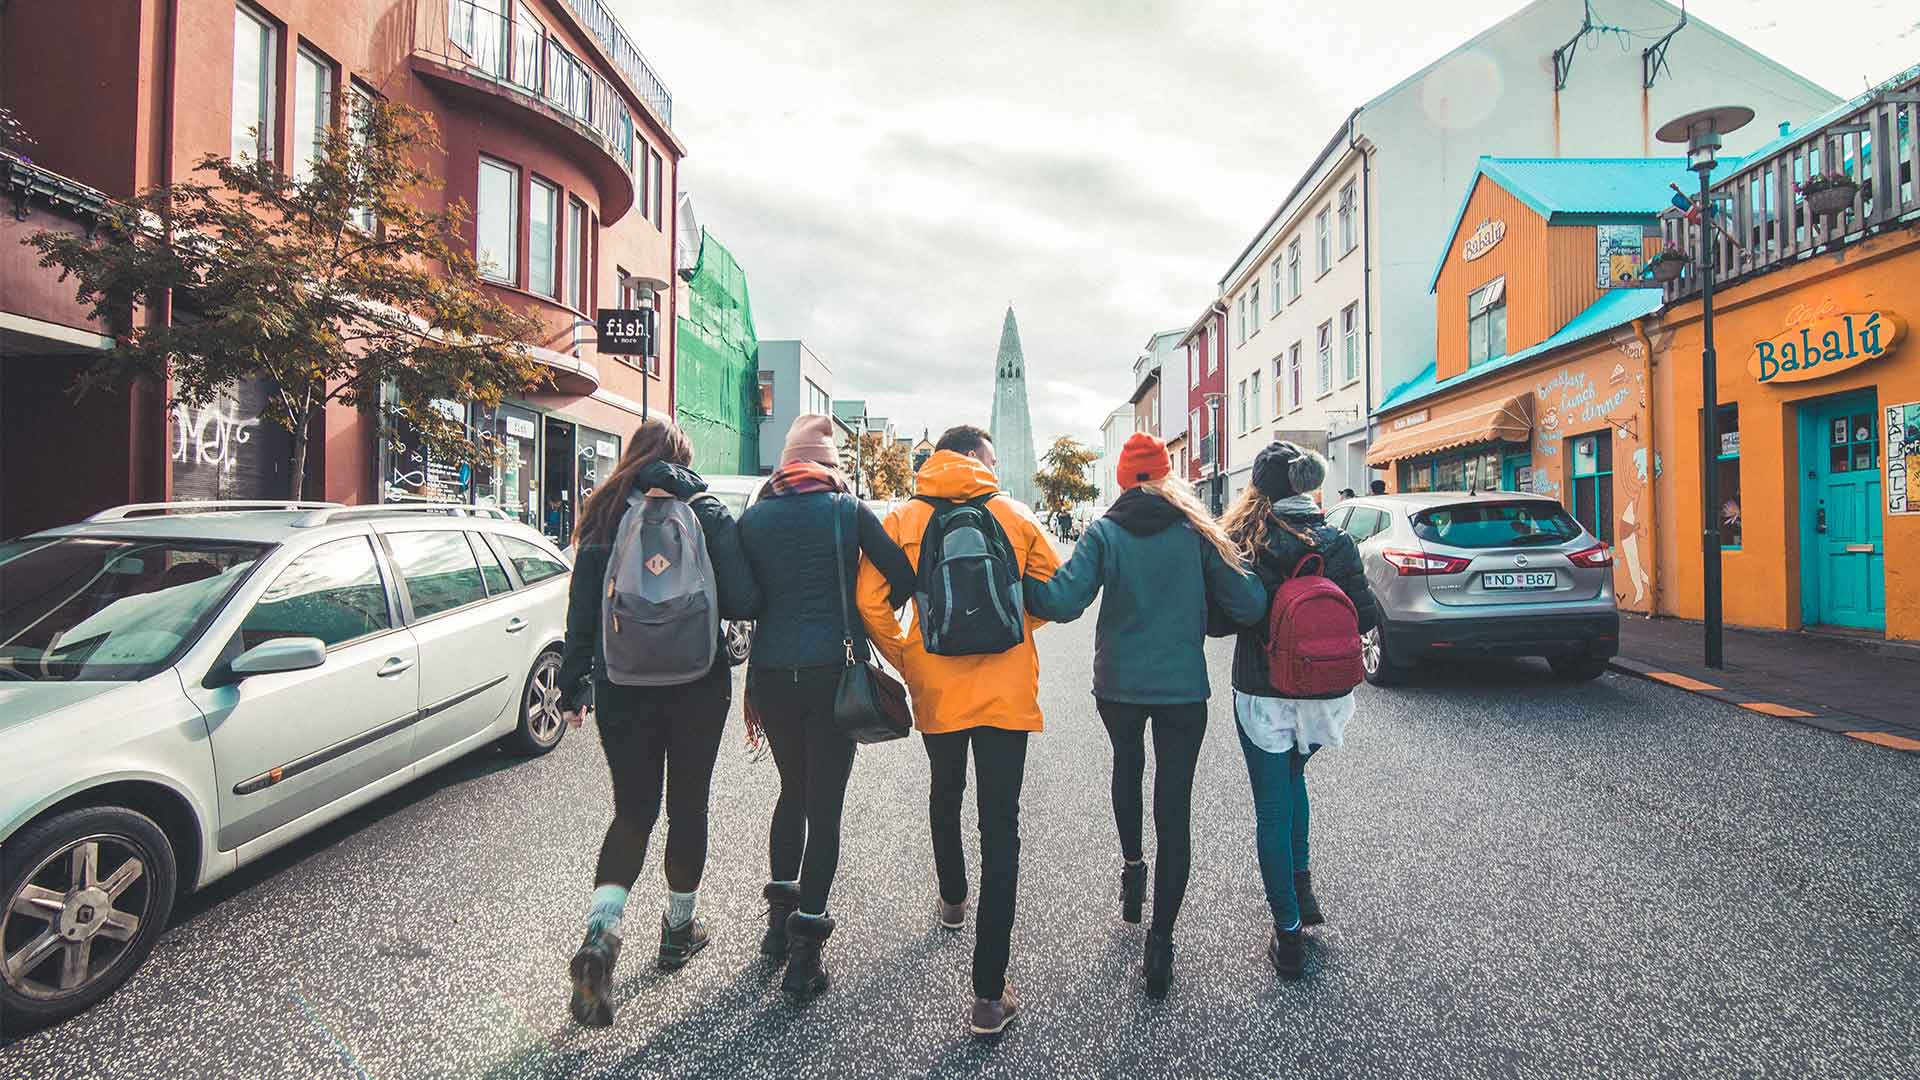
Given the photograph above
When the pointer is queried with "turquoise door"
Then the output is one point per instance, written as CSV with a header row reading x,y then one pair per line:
x,y
1517,471
1843,580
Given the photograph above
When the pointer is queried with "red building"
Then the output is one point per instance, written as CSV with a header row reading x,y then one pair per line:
x,y
557,137
1205,345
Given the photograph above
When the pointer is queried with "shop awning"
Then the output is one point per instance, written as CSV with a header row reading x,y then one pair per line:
x,y
1503,420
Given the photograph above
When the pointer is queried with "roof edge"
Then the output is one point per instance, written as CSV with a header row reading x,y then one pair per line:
x,y
1342,134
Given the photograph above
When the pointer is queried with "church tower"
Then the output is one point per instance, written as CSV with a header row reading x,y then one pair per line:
x,y
1012,427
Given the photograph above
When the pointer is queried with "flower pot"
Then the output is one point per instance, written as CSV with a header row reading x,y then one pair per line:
x,y
1666,270
1831,200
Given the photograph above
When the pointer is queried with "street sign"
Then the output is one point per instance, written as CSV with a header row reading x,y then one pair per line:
x,y
625,331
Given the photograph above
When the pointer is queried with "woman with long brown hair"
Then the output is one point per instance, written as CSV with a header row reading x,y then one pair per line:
x,y
657,726
1163,561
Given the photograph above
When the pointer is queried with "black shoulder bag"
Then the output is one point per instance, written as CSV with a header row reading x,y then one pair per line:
x,y
870,705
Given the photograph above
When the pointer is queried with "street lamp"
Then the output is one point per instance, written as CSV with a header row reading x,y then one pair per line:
x,y
1701,132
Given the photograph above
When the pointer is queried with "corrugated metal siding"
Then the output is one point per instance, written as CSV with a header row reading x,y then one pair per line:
x,y
1549,272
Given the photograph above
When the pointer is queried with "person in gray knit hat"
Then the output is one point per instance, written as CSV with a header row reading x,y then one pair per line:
x,y
1278,521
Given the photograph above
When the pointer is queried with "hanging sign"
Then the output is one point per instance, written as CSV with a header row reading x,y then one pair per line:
x,y
1825,347
625,331
1903,455
1484,238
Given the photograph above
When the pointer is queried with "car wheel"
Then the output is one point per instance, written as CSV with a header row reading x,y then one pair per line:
x,y
87,894
1578,668
1380,666
541,726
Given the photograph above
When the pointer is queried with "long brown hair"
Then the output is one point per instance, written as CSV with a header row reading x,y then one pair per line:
x,y
654,440
1177,492
1246,520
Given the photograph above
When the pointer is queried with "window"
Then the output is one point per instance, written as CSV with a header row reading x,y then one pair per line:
x,y
1242,428
1348,237
1240,312
497,220
491,570
1279,383
1276,287
312,111
332,593
1193,423
1213,355
1487,322
819,402
1592,457
659,189
439,570
1323,355
1253,305
1323,238
1293,270
479,27
254,60
1296,380
1496,524
1350,343
1727,464
568,84
529,51
576,254
362,99
1253,392
533,562
543,215
1362,522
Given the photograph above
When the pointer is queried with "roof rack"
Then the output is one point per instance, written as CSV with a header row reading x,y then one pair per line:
x,y
335,512
204,506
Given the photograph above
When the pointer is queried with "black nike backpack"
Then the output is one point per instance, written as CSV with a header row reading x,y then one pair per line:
x,y
968,594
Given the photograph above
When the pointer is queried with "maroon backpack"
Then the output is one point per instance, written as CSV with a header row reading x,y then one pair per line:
x,y
1313,635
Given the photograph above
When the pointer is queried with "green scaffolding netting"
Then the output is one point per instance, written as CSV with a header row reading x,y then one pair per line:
x,y
717,357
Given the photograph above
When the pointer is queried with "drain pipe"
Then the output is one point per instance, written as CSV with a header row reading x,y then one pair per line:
x,y
1653,469
1366,294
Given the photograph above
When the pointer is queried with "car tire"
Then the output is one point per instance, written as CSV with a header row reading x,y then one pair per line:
x,y
1380,666
1577,668
541,726
53,894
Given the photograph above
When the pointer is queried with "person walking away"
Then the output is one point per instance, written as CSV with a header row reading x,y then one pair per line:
x,y
970,665
1161,557
1278,522
1063,524
806,562
659,565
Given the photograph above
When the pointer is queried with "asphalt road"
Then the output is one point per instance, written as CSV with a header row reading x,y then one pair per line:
x,y
1522,879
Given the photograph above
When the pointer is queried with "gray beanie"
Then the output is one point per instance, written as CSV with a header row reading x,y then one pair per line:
x,y
1284,469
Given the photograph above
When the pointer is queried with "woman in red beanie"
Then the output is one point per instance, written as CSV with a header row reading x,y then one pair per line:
x,y
1161,559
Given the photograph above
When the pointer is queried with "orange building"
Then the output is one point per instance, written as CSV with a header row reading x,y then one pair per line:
x,y
1540,380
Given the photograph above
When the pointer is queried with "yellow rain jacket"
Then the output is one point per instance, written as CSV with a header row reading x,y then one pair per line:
x,y
952,693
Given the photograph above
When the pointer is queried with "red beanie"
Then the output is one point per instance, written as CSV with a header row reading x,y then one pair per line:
x,y
1143,458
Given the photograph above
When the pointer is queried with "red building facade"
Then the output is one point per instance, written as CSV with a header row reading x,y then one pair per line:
x,y
556,136
1205,382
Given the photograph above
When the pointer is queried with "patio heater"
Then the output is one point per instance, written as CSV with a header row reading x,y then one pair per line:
x,y
1701,131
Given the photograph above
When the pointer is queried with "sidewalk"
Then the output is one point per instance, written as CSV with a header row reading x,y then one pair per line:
x,y
1866,689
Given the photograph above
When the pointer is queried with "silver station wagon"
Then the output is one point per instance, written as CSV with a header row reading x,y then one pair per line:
x,y
1496,573
186,687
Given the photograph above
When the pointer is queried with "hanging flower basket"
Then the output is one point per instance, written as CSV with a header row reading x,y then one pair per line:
x,y
1667,266
1828,193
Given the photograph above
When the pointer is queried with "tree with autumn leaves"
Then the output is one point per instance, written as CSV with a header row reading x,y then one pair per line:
x,y
337,286
1062,479
881,468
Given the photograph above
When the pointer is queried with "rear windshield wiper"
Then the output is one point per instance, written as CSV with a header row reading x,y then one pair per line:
x,y
1541,538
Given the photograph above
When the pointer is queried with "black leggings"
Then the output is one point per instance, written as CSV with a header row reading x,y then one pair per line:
x,y
1000,767
795,706
655,735
1177,733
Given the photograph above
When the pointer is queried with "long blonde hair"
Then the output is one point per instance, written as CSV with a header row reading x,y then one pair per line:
x,y
1180,494
1246,520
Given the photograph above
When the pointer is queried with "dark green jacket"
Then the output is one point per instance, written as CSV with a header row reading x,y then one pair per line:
x,y
1158,575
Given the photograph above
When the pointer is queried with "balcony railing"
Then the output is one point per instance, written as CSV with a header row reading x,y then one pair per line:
x,y
646,82
486,43
1768,223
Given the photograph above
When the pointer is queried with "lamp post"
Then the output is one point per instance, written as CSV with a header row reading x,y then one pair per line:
x,y
1701,132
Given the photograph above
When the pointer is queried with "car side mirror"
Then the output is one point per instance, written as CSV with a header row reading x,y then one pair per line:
x,y
280,654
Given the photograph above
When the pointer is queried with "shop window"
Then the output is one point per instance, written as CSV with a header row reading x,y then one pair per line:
x,y
543,216
497,220
1592,487
439,570
254,57
1727,468
1487,322
1416,475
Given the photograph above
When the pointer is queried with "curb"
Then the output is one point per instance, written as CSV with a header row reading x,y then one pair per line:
x,y
1853,726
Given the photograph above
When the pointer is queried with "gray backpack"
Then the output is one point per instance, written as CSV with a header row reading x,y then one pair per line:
x,y
660,624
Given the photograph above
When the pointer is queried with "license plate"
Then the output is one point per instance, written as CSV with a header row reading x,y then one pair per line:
x,y
1529,579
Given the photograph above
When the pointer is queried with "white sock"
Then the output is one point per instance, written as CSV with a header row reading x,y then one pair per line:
x,y
609,904
680,907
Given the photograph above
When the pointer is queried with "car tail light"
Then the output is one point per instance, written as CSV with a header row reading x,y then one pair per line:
x,y
1597,557
1420,563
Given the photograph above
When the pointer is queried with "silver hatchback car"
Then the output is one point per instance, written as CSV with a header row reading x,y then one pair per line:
x,y
1494,573
186,687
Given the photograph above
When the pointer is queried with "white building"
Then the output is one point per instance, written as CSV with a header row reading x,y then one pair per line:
x,y
1113,435
794,382
1328,306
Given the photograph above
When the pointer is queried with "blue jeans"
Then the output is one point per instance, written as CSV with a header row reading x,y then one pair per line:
x,y
1280,822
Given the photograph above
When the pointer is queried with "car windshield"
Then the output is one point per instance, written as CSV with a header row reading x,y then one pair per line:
x,y
87,608
1494,524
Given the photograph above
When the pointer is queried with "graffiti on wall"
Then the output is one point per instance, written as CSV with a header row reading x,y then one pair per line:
x,y
1577,399
221,449
211,435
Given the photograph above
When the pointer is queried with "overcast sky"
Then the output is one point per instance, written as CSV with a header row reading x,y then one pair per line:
x,y
892,174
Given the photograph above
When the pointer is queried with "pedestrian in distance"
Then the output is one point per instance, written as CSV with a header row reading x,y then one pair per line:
x,y
1376,487
1161,558
1280,525
968,660
659,565
804,541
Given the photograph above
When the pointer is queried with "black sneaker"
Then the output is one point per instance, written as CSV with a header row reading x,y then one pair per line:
x,y
1133,891
678,944
592,970
1309,904
1288,953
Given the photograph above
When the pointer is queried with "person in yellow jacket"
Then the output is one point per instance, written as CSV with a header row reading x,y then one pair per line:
x,y
987,703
